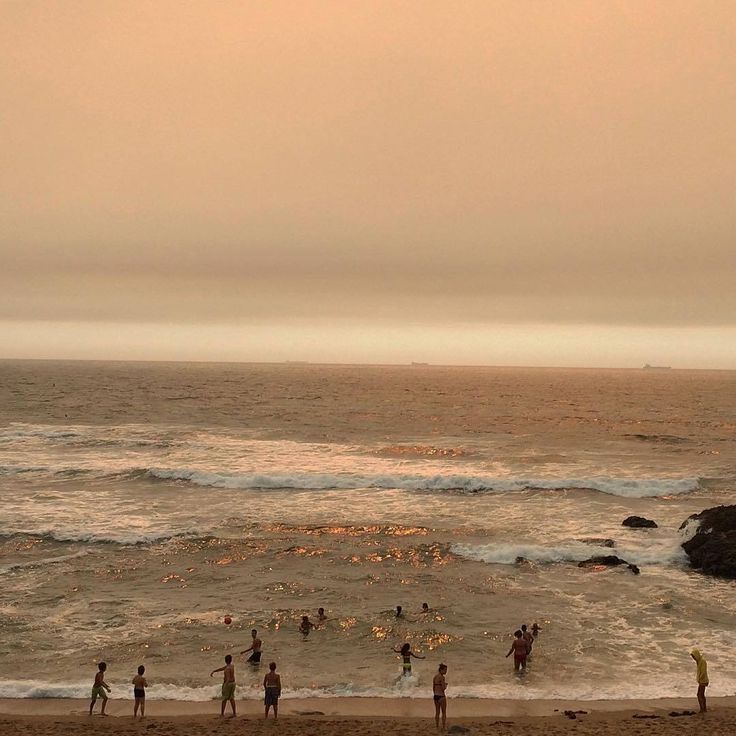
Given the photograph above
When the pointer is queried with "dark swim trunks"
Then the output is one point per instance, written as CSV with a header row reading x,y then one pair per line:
x,y
139,692
437,698
272,696
255,658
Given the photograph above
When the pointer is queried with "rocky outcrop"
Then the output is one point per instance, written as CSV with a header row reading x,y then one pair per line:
x,y
712,548
639,522
608,561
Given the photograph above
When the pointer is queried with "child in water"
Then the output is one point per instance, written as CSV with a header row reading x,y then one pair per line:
x,y
406,655
139,692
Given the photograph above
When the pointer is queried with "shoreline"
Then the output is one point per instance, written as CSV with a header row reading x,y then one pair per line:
x,y
373,708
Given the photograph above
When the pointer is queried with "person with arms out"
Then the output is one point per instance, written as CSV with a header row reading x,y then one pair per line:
x,y
100,689
406,655
439,686
519,650
139,692
701,675
254,649
272,687
228,684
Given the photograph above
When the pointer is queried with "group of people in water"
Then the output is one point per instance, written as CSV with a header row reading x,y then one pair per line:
x,y
521,648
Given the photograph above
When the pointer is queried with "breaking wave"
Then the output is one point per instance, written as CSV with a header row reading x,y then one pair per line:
x,y
624,487
123,537
659,552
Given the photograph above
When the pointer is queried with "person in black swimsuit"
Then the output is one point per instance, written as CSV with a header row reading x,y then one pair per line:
x,y
139,692
254,649
439,685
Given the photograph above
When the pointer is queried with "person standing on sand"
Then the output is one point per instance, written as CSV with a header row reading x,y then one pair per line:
x,y
139,692
272,687
519,650
439,686
701,676
406,655
99,688
228,685
254,648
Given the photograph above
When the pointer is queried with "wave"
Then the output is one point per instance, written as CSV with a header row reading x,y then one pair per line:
x,y
625,487
667,552
410,687
622,487
42,562
123,537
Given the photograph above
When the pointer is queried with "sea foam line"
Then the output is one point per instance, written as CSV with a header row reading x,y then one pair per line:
x,y
624,487
656,553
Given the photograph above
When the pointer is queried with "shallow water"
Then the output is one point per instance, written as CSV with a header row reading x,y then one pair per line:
x,y
141,503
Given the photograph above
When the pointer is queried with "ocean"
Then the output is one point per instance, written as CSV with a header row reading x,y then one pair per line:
x,y
141,503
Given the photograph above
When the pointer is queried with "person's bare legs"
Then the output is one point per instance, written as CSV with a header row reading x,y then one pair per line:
x,y
104,705
143,707
232,705
276,711
92,705
222,708
701,698
443,705
135,707
265,715
437,714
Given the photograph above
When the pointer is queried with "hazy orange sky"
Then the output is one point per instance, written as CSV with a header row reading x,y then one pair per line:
x,y
472,182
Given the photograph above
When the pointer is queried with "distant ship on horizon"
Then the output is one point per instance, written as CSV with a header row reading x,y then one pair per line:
x,y
415,363
648,367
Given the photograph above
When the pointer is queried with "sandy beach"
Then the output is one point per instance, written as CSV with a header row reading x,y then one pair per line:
x,y
337,716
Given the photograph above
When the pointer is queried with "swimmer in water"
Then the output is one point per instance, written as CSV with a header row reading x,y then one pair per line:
x,y
306,626
406,655
399,612
321,615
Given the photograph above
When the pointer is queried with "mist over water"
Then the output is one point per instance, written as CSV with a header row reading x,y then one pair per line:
x,y
141,503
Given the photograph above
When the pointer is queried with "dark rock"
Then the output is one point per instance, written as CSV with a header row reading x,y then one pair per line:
x,y
458,729
639,522
309,713
597,541
712,548
608,561
677,713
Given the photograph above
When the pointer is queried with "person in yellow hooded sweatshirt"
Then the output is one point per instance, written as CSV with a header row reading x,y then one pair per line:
x,y
702,677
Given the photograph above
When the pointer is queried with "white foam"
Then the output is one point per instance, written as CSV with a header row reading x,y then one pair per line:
x,y
676,686
123,536
625,487
657,552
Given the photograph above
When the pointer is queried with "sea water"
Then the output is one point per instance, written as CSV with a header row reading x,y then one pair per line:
x,y
143,503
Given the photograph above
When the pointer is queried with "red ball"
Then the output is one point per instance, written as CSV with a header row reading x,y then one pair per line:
x,y
227,620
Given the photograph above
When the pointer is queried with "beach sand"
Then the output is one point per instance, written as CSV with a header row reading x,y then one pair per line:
x,y
359,716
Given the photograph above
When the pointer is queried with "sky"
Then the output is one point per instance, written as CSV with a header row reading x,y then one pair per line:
x,y
519,182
